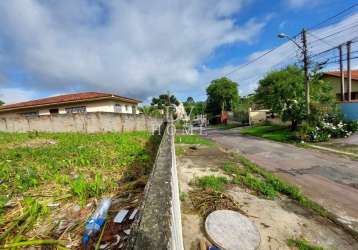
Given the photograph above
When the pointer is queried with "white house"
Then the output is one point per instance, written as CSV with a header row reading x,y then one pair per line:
x,y
73,103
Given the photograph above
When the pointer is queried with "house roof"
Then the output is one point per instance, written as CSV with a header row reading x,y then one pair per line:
x,y
66,99
338,74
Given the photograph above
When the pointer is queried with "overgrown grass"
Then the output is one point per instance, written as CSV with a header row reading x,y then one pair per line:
x,y
267,184
212,182
224,126
271,132
302,244
193,139
72,165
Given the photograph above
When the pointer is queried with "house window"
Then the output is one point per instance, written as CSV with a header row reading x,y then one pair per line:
x,y
117,108
78,109
53,111
134,110
127,108
30,113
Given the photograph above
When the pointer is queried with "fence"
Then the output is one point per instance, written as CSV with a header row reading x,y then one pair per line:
x,y
84,123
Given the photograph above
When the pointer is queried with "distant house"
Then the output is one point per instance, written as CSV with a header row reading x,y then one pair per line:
x,y
348,108
335,78
73,103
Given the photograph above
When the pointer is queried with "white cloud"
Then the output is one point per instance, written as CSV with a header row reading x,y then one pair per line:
x,y
135,48
12,95
301,3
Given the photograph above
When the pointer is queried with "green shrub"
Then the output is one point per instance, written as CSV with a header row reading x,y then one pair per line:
x,y
215,183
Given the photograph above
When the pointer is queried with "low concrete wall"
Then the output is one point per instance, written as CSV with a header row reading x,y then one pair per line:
x,y
159,222
84,123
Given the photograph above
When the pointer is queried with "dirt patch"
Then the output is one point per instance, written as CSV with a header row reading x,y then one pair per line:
x,y
35,143
278,220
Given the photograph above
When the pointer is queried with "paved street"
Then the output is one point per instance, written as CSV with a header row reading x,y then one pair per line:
x,y
329,179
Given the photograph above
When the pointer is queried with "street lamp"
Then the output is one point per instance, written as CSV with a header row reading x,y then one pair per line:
x,y
305,63
283,35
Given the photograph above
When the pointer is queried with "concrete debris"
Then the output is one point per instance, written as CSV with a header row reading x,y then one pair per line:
x,y
120,216
127,232
104,246
134,213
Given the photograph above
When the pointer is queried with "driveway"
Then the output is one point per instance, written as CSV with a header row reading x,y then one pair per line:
x,y
328,179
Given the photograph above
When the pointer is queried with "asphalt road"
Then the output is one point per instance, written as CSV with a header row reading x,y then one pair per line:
x,y
327,178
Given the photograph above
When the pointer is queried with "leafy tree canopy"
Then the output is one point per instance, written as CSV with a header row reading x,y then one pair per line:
x,y
196,108
222,95
283,92
164,100
2,103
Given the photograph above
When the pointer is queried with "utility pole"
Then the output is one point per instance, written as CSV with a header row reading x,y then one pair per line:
x,y
349,70
305,69
341,71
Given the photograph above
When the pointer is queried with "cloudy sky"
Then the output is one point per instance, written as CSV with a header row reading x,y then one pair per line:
x,y
141,48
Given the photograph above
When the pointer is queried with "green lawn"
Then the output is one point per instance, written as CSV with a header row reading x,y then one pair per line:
x,y
271,132
37,169
192,139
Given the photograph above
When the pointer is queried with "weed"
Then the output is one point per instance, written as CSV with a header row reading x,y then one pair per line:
x,y
179,150
85,188
212,182
285,188
302,244
193,139
3,201
245,177
183,196
48,170
253,182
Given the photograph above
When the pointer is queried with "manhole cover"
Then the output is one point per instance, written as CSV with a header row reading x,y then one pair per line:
x,y
231,230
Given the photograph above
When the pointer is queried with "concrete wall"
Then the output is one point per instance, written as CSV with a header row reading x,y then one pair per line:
x,y
158,225
84,123
350,110
257,116
336,84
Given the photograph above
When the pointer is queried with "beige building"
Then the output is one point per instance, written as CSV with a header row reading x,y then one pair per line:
x,y
335,78
72,103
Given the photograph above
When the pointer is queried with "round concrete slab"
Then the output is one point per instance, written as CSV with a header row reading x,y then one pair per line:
x,y
231,230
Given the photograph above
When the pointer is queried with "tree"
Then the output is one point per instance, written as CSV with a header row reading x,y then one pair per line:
x,y
222,95
282,91
190,100
2,103
149,110
196,108
164,100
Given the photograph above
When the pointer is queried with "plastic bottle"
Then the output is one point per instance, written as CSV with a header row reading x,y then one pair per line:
x,y
96,221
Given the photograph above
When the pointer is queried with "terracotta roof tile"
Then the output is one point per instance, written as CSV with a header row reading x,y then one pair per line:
x,y
338,74
63,99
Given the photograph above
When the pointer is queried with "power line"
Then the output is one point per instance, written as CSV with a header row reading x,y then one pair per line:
x,y
337,32
318,38
294,37
252,61
354,40
334,16
337,61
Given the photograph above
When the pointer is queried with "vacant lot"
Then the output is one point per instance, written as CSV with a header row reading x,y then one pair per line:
x,y
50,183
